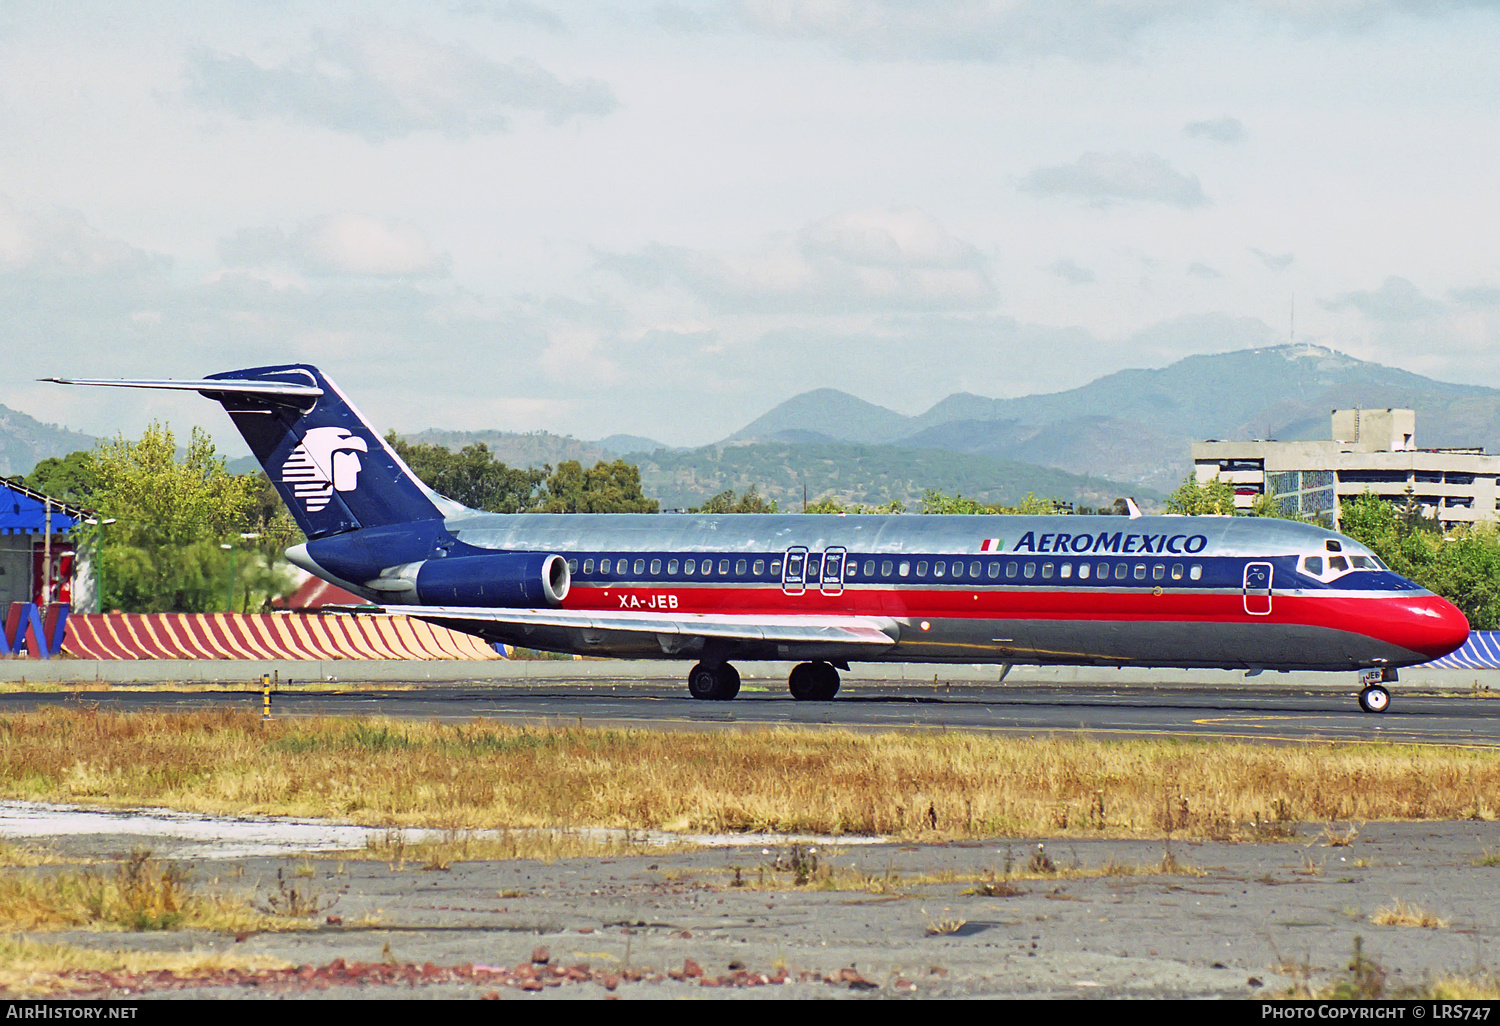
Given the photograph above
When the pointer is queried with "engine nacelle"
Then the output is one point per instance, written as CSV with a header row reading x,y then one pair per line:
x,y
522,580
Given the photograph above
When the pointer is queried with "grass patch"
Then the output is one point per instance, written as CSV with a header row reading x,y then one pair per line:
x,y
542,845
484,776
1402,914
141,893
31,968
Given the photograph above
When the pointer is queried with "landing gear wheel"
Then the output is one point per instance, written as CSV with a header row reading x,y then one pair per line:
x,y
813,682
1374,699
714,683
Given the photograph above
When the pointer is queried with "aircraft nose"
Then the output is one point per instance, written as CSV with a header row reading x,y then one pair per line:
x,y
1433,626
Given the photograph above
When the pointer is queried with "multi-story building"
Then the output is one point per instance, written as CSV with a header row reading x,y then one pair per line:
x,y
1371,451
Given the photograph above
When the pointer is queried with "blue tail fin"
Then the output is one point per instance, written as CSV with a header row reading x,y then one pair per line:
x,y
333,470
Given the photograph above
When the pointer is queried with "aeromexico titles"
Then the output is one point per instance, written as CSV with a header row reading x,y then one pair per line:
x,y
825,590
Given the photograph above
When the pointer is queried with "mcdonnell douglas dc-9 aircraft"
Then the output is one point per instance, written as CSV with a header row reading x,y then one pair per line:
x,y
826,590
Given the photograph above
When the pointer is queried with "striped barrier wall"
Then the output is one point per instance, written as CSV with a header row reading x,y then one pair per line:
x,y
264,636
1480,652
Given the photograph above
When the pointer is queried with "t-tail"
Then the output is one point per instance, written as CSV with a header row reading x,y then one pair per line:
x,y
333,470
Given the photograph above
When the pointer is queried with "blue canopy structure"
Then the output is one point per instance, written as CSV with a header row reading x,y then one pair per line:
x,y
23,511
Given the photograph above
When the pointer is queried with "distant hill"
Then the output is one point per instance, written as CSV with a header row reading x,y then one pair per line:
x,y
25,442
867,474
515,449
1136,425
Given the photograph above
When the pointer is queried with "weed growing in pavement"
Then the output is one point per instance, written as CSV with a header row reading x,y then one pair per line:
x,y
1335,839
1402,914
141,893
296,901
1490,859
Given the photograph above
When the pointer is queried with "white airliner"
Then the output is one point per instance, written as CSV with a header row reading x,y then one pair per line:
x,y
825,590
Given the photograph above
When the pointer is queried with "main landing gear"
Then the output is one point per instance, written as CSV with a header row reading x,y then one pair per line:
x,y
719,682
1373,697
813,682
714,683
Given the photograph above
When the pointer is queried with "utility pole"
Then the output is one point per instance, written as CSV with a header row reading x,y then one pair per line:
x,y
47,557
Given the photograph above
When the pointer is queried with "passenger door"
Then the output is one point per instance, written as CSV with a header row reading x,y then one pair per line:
x,y
1258,589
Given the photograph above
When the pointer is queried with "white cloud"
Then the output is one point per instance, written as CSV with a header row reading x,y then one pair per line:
x,y
1274,261
858,259
1224,130
1010,30
342,243
1397,299
61,243
1069,271
1103,178
382,83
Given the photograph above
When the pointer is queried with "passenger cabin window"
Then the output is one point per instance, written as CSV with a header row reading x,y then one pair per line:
x,y
974,569
904,569
1103,571
994,570
640,567
760,567
886,567
921,568
672,567
1030,570
775,568
572,566
1010,569
740,566
1047,571
690,566
938,569
1195,572
1159,572
1065,571
588,566
723,567
1120,571
1176,571
869,568
1083,571
655,567
1140,571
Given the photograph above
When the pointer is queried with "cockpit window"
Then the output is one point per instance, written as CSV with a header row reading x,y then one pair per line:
x,y
1331,566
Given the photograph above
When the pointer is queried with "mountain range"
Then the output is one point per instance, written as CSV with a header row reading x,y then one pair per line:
x,y
1124,433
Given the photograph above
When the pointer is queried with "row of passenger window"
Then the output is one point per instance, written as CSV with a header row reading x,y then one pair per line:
x,y
937,569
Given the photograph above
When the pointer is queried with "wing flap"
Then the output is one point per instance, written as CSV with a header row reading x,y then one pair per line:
x,y
864,631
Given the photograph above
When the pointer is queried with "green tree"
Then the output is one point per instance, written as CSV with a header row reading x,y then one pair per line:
x,y
71,478
1212,498
603,488
832,505
725,502
162,553
472,476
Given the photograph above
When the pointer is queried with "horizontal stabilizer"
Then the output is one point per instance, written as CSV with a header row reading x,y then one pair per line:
x,y
290,389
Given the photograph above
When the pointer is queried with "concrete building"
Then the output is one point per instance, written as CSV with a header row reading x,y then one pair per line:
x,y
1371,451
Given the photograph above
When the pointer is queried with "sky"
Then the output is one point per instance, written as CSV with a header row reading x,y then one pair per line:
x,y
663,218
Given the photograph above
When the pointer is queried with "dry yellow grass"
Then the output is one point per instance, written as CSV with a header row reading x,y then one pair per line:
x,y
30,968
483,775
542,845
139,893
1402,914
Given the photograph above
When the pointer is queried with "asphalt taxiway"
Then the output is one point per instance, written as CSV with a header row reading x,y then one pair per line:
x,y
1242,710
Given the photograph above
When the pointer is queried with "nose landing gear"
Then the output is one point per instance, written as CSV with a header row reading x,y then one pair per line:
x,y
1373,697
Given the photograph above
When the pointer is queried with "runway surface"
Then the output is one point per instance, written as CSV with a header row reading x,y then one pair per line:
x,y
1243,711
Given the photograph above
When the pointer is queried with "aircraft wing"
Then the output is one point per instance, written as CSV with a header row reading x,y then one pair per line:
x,y
670,634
